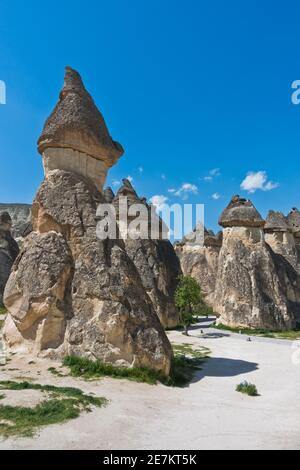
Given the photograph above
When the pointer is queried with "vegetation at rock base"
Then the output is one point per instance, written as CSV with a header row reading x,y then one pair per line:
x,y
247,389
185,364
288,334
190,301
60,405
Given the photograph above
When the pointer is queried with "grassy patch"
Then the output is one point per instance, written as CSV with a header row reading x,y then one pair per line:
x,y
290,334
80,367
56,372
185,364
187,361
247,388
64,403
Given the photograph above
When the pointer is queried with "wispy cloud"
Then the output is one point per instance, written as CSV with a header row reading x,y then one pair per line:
x,y
185,190
212,174
163,176
130,178
141,169
158,201
116,183
216,196
258,181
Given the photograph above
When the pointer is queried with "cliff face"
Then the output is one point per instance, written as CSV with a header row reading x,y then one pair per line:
x,y
71,292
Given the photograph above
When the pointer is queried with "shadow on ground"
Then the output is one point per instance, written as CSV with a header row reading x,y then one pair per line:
x,y
222,367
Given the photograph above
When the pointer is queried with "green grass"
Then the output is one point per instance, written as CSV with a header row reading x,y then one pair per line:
x,y
185,364
289,334
62,404
56,372
187,361
87,369
247,389
3,310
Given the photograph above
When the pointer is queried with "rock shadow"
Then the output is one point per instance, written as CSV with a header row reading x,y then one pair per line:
x,y
223,367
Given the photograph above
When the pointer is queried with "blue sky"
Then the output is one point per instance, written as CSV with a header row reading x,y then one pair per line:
x,y
197,92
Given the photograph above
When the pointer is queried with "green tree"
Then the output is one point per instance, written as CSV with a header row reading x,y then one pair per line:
x,y
188,297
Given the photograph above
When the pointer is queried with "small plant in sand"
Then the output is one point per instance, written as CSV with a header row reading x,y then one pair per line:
x,y
247,388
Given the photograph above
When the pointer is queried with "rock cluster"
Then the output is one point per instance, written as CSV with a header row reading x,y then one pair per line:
x,y
154,257
71,293
8,251
250,272
200,260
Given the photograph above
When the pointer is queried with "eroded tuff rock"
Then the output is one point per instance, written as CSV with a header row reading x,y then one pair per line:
x,y
155,258
75,137
21,219
279,236
200,260
249,290
8,251
71,293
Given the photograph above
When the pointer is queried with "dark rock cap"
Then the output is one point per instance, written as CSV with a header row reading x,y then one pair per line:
x,y
276,222
293,219
77,123
241,213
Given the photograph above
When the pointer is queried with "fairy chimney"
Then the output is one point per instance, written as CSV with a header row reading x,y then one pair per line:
x,y
249,290
75,137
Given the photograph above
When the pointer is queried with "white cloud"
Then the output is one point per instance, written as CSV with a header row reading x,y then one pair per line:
x,y
116,183
257,181
158,201
215,172
172,190
141,169
216,196
212,174
163,177
186,189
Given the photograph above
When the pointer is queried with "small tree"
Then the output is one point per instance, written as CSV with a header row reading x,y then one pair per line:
x,y
187,297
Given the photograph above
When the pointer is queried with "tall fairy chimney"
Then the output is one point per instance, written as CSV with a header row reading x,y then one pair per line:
x,y
75,137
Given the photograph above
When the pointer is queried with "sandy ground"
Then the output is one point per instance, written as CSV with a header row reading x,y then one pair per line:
x,y
208,414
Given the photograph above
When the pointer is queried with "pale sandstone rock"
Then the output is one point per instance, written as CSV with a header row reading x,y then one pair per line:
x,y
249,290
154,259
75,137
200,261
71,293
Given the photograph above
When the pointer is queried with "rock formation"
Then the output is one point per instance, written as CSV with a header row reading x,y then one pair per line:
x,y
71,293
249,291
8,251
75,137
21,218
279,236
154,258
200,260
293,219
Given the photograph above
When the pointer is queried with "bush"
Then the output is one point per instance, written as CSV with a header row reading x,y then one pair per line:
x,y
247,388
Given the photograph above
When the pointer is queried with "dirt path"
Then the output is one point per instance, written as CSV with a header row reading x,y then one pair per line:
x,y
209,414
